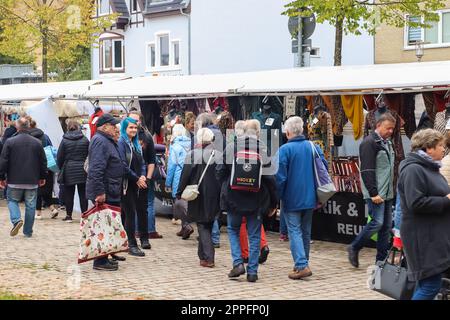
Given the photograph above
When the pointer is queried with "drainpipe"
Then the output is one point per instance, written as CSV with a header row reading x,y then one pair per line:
x,y
189,39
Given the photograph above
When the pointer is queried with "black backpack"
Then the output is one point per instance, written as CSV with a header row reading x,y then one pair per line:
x,y
246,170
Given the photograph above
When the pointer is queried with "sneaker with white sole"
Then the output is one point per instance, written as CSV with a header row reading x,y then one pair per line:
x,y
38,217
67,219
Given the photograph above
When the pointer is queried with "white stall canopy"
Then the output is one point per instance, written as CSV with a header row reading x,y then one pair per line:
x,y
56,90
316,80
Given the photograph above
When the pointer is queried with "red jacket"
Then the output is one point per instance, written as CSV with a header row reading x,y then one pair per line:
x,y
93,122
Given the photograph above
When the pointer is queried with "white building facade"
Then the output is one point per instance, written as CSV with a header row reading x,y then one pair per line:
x,y
181,37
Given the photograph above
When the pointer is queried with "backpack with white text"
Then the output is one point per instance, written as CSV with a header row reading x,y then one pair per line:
x,y
246,171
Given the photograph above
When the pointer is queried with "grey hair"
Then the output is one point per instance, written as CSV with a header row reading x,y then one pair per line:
x,y
252,127
426,139
294,125
204,120
205,136
239,128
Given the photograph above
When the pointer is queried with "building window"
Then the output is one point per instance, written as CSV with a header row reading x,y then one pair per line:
x,y
134,6
112,55
438,34
315,52
151,55
176,53
103,7
164,53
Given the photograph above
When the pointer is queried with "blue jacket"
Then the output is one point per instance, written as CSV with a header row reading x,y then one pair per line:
x,y
295,177
177,154
126,154
106,169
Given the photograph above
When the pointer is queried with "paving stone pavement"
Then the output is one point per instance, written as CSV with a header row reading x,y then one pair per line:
x,y
45,267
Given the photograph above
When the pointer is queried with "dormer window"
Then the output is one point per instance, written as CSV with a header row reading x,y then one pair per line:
x,y
103,7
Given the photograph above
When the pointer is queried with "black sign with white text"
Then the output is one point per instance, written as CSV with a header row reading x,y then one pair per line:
x,y
341,219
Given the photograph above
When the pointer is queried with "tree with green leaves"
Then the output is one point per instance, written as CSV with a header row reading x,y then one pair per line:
x,y
355,16
51,30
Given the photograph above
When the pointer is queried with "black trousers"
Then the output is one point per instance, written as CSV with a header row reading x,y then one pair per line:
x,y
69,193
44,201
205,244
130,210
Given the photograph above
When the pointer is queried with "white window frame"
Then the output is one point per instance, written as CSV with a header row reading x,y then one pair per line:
x,y
113,68
161,2
172,52
99,14
148,59
157,44
440,44
137,6
316,55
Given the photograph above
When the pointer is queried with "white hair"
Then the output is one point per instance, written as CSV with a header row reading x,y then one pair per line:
x,y
295,126
239,128
252,127
205,136
177,131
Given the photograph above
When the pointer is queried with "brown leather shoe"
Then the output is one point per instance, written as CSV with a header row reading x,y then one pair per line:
x,y
206,264
187,232
180,233
154,235
300,274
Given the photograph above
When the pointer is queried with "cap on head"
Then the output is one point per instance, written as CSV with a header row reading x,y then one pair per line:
x,y
107,118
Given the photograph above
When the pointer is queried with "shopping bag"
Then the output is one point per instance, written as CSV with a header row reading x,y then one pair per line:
x,y
392,280
325,187
50,154
102,233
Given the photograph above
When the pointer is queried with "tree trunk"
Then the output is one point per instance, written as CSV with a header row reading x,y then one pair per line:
x,y
338,42
44,57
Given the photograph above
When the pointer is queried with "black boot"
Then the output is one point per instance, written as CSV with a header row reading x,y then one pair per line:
x,y
145,244
135,251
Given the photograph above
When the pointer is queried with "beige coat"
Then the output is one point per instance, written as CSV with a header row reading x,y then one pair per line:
x,y
445,169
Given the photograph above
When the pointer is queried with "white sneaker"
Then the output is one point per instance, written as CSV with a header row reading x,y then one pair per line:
x,y
38,217
174,221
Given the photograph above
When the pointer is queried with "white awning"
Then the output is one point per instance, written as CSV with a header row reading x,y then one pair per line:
x,y
169,86
40,91
315,80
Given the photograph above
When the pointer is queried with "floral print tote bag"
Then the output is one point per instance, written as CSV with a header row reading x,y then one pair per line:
x,y
102,233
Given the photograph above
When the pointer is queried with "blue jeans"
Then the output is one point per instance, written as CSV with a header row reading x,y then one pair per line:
x,y
398,213
381,223
215,235
299,228
283,223
14,197
254,236
428,288
151,208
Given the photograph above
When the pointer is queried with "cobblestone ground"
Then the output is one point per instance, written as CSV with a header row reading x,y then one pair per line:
x,y
45,267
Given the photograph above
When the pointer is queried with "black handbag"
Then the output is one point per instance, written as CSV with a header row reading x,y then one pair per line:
x,y
391,279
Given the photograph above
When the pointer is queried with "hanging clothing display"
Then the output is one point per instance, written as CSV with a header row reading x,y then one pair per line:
x,y
370,125
407,112
320,132
440,124
270,122
369,100
346,174
428,99
249,105
439,100
339,120
353,108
